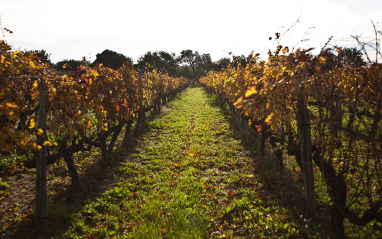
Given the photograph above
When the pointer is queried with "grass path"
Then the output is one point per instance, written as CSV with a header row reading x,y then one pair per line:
x,y
187,178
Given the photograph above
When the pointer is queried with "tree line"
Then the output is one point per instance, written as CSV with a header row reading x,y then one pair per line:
x,y
189,64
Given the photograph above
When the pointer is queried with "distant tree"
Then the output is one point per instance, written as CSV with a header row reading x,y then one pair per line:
x,y
111,59
221,64
242,60
346,56
185,71
160,60
199,64
42,54
191,58
68,65
169,62
203,66
350,56
331,60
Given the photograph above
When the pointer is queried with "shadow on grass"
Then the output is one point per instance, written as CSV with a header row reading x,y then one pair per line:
x,y
283,187
96,179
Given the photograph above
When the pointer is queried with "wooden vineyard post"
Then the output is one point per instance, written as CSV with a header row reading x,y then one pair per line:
x,y
304,134
140,111
41,188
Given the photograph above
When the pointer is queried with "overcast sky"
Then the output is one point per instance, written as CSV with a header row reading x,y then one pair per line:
x,y
71,29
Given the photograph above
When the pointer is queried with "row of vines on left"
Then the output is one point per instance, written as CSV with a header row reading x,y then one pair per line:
x,y
85,109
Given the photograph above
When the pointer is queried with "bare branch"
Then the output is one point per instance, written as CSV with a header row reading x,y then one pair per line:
x,y
2,30
362,45
376,42
326,44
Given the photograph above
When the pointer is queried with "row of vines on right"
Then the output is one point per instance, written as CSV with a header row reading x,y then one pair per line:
x,y
326,111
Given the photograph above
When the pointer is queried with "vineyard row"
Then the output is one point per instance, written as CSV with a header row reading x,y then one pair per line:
x,y
59,115
324,110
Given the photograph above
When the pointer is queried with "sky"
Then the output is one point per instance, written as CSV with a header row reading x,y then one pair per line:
x,y
72,29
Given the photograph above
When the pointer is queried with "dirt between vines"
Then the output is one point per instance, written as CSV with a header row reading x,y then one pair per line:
x,y
20,199
18,207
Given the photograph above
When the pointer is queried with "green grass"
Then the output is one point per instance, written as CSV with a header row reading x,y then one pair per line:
x,y
188,178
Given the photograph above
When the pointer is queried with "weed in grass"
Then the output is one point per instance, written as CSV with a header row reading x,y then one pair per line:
x,y
3,190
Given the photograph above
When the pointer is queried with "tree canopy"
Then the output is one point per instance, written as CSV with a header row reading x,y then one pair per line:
x,y
199,63
42,55
221,64
111,59
68,65
160,60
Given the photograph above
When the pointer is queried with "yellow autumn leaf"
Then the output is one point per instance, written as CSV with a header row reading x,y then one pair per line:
x,y
89,124
31,64
32,123
269,118
11,105
95,73
25,141
238,101
250,91
47,143
40,132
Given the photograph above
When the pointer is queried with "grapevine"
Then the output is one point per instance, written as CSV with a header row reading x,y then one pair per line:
x,y
343,99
